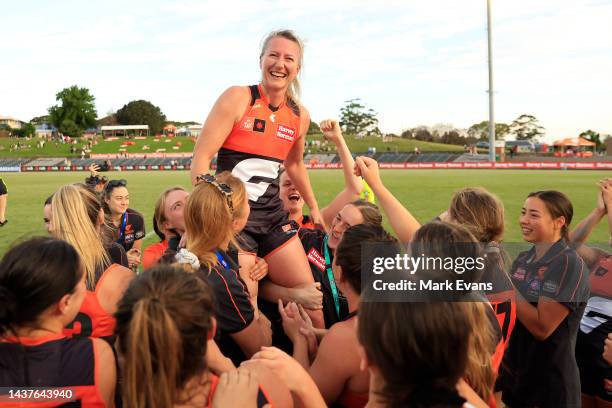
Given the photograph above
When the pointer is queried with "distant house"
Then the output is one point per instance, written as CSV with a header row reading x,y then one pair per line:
x,y
11,122
194,130
45,130
522,146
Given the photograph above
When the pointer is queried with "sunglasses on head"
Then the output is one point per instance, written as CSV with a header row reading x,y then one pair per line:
x,y
222,187
116,183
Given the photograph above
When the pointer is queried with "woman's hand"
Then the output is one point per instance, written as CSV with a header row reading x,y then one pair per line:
x,y
292,320
237,388
331,130
259,269
308,295
317,219
367,168
133,256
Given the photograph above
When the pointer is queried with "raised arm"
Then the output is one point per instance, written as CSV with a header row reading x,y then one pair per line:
x,y
352,184
402,221
294,165
224,114
583,230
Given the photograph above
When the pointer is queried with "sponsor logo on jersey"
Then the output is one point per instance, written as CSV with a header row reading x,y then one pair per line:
x,y
287,228
550,286
259,125
286,133
272,118
257,105
247,123
315,258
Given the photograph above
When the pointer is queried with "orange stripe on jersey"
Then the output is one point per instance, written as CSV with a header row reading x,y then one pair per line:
x,y
263,131
229,292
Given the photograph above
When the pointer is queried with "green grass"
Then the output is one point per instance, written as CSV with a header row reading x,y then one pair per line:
x,y
424,192
181,144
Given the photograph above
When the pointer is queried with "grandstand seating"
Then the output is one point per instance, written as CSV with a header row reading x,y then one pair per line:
x,y
47,161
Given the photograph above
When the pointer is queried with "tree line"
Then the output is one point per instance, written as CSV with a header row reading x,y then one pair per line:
x,y
75,112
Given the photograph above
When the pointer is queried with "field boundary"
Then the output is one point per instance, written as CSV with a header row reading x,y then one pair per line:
x,y
397,166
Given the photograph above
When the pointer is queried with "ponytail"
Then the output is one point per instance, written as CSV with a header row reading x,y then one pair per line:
x,y
152,356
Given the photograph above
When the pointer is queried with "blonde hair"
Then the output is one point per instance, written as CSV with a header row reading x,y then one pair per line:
x,y
479,372
208,222
294,91
481,212
75,210
159,216
239,193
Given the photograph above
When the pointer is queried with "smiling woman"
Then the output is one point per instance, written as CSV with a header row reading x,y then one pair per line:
x,y
254,130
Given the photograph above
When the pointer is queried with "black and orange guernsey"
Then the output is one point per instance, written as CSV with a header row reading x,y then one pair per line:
x,y
257,146
50,362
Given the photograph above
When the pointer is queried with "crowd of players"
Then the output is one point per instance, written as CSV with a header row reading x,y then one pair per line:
x,y
248,302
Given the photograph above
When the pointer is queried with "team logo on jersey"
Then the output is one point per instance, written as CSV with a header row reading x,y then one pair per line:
x,y
519,274
286,133
247,123
257,105
259,125
534,286
315,258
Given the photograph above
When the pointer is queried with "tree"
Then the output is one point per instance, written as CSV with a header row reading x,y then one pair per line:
x,y
423,134
357,120
526,127
594,137
313,128
481,130
407,134
76,113
142,113
27,129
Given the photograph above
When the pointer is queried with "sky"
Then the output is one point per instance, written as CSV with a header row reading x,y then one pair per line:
x,y
414,62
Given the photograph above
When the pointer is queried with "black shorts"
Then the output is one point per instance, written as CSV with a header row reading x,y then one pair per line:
x,y
3,189
595,372
263,240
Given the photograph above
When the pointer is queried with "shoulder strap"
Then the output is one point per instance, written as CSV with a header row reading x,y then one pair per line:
x,y
254,93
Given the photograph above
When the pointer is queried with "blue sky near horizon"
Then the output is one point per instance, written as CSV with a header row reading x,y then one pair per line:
x,y
414,63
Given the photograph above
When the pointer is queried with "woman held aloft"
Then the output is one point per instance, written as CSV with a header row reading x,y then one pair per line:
x,y
255,130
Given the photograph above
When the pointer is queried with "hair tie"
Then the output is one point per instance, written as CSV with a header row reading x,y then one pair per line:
x,y
185,257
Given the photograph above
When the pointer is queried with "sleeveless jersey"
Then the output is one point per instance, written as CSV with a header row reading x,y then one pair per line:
x,y
598,312
257,146
49,362
262,397
92,320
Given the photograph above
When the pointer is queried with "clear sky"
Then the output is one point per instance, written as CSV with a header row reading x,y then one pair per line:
x,y
414,62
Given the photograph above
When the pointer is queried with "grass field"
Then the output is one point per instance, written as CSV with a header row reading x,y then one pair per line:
x,y
424,192
183,144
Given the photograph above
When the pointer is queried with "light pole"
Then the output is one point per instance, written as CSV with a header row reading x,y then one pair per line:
x,y
491,108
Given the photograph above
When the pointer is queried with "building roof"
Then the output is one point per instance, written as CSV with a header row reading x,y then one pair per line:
x,y
125,127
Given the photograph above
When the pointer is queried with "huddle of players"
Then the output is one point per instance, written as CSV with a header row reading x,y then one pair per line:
x,y
64,297
240,268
